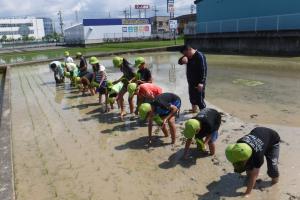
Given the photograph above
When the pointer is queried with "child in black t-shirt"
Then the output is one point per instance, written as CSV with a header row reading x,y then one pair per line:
x,y
249,151
204,125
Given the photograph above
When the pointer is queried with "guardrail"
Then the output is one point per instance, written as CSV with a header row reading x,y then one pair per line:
x,y
262,23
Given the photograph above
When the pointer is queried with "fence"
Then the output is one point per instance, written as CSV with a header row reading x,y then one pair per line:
x,y
262,23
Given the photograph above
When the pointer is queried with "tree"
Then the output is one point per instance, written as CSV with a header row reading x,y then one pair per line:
x,y
4,38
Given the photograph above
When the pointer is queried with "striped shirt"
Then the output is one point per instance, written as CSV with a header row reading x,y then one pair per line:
x,y
100,74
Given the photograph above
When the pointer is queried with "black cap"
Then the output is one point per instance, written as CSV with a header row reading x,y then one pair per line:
x,y
185,47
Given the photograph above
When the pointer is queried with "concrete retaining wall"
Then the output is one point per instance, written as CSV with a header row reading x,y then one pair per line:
x,y
285,43
7,191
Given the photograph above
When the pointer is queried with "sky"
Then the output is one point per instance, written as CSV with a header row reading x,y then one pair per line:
x,y
86,8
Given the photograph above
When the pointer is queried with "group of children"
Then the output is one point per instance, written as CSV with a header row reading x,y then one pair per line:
x,y
154,105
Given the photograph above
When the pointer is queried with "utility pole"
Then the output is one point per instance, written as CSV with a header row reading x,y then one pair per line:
x,y
61,23
155,17
125,13
76,16
155,11
140,13
130,12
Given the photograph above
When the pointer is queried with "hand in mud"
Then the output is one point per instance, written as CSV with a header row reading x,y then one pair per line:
x,y
149,142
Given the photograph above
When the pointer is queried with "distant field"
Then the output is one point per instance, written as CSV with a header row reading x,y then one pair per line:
x,y
54,53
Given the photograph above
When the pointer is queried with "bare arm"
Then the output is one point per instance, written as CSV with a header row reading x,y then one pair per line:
x,y
252,176
173,109
150,123
186,148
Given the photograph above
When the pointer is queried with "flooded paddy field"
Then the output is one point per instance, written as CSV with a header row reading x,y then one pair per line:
x,y
65,147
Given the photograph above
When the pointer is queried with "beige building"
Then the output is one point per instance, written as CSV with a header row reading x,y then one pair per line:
x,y
160,24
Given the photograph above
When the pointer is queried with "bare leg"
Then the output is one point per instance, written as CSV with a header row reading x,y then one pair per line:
x,y
100,98
212,148
194,108
275,180
165,130
172,129
131,104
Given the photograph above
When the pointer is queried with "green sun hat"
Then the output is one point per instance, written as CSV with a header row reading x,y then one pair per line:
x,y
238,152
117,61
192,126
131,88
111,100
93,60
67,74
144,109
77,79
78,54
109,84
138,61
95,84
67,53
158,120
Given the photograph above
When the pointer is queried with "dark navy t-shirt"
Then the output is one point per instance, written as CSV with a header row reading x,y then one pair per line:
x,y
210,120
196,69
164,101
261,140
144,74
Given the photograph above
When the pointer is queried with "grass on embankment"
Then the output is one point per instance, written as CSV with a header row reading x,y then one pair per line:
x,y
106,47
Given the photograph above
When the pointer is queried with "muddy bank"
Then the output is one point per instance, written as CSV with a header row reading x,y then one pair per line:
x,y
66,148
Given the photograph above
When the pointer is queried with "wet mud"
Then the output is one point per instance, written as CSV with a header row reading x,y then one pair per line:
x,y
65,147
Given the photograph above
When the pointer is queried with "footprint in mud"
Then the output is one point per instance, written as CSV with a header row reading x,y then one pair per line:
x,y
253,116
226,140
237,129
284,142
292,197
216,161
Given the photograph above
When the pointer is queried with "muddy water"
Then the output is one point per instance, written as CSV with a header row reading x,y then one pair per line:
x,y
64,147
255,89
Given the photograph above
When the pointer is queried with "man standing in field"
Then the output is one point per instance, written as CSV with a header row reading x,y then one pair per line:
x,y
196,72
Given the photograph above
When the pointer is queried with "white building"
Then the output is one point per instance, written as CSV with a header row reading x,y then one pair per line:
x,y
14,28
101,30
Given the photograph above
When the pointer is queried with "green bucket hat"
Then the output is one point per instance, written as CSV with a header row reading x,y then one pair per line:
x,y
66,53
109,84
131,88
192,126
111,100
138,61
144,109
238,152
95,84
158,120
78,54
117,61
93,60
